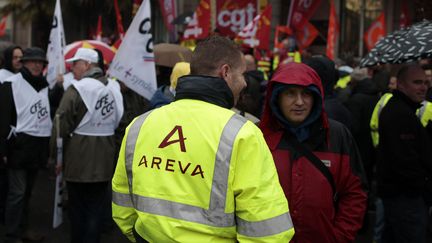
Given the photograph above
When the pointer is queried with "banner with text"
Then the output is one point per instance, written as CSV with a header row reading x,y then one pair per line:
x,y
233,15
134,63
56,43
257,33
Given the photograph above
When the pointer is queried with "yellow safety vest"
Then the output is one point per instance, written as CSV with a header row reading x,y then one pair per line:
x,y
264,66
296,55
192,171
342,83
424,113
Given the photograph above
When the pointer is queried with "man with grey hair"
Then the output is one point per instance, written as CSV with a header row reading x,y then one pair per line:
x,y
88,114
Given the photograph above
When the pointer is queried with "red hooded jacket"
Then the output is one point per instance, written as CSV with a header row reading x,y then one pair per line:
x,y
315,216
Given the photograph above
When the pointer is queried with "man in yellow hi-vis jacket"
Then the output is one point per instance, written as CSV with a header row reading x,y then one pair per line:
x,y
193,170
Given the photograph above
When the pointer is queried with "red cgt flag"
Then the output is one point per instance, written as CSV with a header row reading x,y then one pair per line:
x,y
199,26
256,34
375,32
333,32
306,35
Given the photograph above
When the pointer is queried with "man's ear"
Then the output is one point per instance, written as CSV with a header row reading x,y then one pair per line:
x,y
224,71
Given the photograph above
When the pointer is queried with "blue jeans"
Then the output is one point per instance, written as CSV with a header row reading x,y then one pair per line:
x,y
405,219
21,182
87,203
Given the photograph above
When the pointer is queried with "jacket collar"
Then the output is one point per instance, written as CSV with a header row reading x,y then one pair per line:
x,y
213,90
37,82
413,105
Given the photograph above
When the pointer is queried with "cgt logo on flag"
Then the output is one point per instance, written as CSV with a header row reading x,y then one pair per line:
x,y
257,32
375,32
198,27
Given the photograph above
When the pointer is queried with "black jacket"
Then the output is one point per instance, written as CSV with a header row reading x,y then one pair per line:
x,y
23,151
361,104
404,152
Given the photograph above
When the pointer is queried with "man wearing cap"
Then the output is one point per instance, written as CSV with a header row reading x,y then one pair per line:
x,y
88,114
25,127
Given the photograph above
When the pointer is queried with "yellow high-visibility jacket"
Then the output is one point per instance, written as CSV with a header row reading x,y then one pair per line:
x,y
192,171
342,83
424,113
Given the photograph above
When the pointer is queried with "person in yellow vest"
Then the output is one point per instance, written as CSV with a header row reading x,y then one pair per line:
x,y
193,170
424,113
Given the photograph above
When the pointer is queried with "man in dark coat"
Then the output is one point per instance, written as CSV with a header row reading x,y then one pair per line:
x,y
361,103
328,74
25,127
404,163
11,65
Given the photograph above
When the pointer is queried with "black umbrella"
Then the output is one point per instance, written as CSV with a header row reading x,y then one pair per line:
x,y
405,45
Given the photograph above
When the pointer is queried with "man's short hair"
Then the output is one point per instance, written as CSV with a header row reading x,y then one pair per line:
x,y
404,71
213,52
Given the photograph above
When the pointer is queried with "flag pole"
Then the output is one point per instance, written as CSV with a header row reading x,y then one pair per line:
x,y
361,34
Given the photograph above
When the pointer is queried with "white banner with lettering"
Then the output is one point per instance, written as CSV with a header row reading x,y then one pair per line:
x,y
134,63
55,53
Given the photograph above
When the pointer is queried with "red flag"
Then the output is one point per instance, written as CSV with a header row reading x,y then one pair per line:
x,y
256,34
233,15
306,35
404,20
199,26
333,32
99,29
120,28
301,11
281,33
375,31
3,22
168,8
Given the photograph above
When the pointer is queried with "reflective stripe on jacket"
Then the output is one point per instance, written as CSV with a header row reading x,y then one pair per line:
x,y
424,113
195,172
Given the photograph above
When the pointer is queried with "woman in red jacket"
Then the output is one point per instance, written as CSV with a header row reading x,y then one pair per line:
x,y
327,203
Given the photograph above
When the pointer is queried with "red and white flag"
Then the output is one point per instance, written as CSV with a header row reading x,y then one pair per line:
x,y
256,34
199,26
168,9
306,35
300,12
333,32
375,32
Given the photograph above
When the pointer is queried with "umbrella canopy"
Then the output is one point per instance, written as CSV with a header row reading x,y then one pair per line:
x,y
106,50
412,43
169,54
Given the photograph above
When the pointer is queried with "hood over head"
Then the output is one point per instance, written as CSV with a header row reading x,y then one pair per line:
x,y
8,56
285,76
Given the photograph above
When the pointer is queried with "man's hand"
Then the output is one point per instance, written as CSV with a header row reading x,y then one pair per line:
x,y
4,160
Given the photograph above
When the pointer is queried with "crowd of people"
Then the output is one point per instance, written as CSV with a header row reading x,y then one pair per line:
x,y
224,151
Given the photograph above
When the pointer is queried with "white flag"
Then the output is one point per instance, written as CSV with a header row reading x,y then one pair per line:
x,y
134,63
55,54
